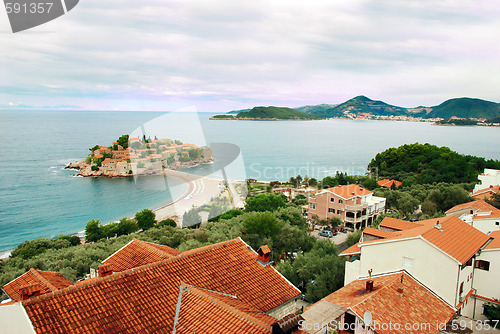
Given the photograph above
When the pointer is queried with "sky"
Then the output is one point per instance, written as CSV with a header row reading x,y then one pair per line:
x,y
222,55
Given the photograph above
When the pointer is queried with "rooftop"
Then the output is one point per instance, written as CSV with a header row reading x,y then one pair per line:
x,y
143,299
482,209
495,243
388,183
450,234
45,281
395,298
346,192
137,253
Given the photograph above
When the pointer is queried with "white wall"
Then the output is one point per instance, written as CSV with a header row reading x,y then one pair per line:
x,y
486,282
486,225
14,319
430,266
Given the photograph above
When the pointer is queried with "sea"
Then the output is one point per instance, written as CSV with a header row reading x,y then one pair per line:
x,y
40,198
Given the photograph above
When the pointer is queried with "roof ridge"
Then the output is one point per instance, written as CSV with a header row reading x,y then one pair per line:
x,y
146,244
113,254
43,279
115,275
230,308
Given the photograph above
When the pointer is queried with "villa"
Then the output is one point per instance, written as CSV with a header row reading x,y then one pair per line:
x,y
354,205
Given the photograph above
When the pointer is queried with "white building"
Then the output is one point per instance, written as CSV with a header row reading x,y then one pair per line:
x,y
441,253
490,177
483,216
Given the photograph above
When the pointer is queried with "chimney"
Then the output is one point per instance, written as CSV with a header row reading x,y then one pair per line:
x,y
264,254
400,287
29,291
105,270
439,226
369,285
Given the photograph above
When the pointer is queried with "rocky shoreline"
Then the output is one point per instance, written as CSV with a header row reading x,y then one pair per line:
x,y
85,169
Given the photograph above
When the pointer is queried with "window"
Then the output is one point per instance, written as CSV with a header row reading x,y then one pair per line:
x,y
332,199
339,212
312,206
497,223
331,210
484,265
461,288
340,201
407,263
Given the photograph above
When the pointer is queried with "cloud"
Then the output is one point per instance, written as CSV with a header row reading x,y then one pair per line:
x,y
240,54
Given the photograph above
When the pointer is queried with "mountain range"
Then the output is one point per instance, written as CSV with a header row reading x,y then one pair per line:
x,y
460,107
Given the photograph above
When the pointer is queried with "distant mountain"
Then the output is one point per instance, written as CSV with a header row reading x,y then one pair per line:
x,y
465,107
460,107
362,104
315,108
275,113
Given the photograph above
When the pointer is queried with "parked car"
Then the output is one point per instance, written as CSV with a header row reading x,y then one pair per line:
x,y
326,233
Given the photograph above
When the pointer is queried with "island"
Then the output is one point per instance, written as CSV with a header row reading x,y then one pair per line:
x,y
134,156
268,114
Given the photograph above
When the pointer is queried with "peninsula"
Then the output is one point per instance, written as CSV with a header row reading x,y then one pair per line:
x,y
268,114
133,156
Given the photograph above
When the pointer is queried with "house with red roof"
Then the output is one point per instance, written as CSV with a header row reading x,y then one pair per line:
x,y
489,177
384,304
386,183
480,214
356,206
442,253
220,288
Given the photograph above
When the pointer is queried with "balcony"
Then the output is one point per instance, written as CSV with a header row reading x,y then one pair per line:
x,y
353,220
356,207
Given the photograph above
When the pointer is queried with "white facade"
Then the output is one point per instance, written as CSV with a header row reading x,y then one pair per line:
x,y
14,319
490,177
437,270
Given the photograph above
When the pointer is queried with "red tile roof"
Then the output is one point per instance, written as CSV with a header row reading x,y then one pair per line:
x,y
353,250
482,209
388,183
398,224
456,238
47,282
205,311
415,305
377,233
495,243
346,192
143,299
491,189
137,253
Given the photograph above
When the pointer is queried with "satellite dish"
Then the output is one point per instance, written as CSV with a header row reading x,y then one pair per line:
x,y
367,318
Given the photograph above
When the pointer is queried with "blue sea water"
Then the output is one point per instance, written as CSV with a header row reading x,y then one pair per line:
x,y
39,198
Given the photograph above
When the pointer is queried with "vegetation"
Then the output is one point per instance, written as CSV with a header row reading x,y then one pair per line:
x,y
459,122
361,104
353,238
492,311
466,108
145,219
265,202
273,113
425,163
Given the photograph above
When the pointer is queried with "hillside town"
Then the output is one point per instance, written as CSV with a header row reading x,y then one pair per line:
x,y
436,275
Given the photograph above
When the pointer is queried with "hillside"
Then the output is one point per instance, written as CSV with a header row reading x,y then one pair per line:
x,y
465,108
425,163
238,111
269,113
310,109
362,104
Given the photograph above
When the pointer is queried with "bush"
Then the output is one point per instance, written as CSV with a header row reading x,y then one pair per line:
x,y
93,231
353,238
167,222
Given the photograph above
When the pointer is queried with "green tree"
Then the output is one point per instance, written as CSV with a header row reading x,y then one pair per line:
x,y
167,222
93,231
72,239
353,238
191,217
265,202
126,226
261,228
145,219
123,141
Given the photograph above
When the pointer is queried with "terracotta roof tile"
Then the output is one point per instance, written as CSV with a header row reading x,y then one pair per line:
x,y
388,183
482,209
456,238
495,243
377,233
415,305
143,299
47,282
346,192
353,250
491,189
